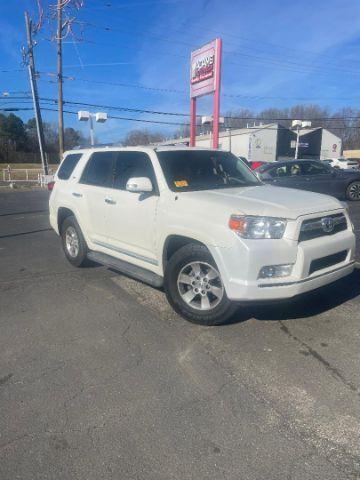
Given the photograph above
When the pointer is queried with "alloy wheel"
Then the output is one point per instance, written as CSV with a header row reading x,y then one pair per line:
x,y
72,242
200,286
354,191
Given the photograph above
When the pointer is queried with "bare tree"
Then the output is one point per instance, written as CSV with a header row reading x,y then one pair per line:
x,y
142,137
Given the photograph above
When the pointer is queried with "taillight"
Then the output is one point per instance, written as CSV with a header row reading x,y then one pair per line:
x,y
50,186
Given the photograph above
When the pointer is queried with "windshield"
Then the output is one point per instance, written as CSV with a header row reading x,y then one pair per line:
x,y
189,170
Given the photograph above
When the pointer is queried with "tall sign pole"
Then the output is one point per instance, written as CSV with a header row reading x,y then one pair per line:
x,y
216,114
192,122
205,78
34,92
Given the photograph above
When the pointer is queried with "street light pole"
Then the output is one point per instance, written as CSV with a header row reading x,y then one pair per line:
x,y
229,130
297,142
299,124
92,140
100,117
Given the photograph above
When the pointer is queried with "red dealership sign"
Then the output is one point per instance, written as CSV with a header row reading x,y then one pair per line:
x,y
204,65
205,69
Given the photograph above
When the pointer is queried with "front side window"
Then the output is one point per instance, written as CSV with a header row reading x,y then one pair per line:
x,y
99,170
132,164
68,165
278,172
190,170
294,169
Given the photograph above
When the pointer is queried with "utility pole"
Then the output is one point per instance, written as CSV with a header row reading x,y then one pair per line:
x,y
34,92
60,77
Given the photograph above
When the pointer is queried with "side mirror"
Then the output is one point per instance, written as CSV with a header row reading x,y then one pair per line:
x,y
139,185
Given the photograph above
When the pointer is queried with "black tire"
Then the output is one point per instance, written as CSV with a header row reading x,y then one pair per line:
x,y
71,225
189,254
353,191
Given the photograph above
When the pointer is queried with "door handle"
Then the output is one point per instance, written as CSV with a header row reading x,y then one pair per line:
x,y
76,194
110,201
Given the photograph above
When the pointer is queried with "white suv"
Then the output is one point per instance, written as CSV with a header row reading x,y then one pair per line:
x,y
199,223
343,163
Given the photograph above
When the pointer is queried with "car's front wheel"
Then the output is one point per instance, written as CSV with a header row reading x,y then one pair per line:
x,y
194,287
353,191
73,242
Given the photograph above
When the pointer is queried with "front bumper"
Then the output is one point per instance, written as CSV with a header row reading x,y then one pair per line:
x,y
239,266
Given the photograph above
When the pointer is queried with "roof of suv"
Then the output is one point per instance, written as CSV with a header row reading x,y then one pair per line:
x,y
136,148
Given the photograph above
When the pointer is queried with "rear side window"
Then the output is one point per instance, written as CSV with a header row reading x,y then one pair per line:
x,y
68,165
99,170
315,168
132,164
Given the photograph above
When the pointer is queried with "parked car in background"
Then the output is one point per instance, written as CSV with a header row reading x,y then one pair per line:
x,y
313,175
343,163
256,164
245,160
355,160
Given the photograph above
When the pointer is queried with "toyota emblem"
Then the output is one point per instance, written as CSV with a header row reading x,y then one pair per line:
x,y
327,224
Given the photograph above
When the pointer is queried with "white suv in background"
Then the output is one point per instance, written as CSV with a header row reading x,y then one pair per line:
x,y
199,223
343,163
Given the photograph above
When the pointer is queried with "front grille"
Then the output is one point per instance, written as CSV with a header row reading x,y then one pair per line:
x,y
322,226
325,262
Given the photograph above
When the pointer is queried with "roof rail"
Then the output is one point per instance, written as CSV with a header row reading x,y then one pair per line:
x,y
98,145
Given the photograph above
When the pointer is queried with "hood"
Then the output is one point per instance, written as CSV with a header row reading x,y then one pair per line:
x,y
266,200
353,174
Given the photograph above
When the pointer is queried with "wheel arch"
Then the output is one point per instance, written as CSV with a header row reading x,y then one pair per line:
x,y
62,214
173,243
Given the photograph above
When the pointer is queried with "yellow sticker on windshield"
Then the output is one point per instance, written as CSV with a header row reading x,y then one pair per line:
x,y
181,183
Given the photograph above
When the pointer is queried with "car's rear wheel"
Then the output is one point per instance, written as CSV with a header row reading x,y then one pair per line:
x,y
353,191
73,242
194,287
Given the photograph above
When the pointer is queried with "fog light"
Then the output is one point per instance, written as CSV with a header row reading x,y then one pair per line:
x,y
275,271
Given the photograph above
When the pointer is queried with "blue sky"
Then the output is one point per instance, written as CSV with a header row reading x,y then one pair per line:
x,y
276,53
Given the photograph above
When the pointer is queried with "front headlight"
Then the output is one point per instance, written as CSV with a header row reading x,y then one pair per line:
x,y
257,227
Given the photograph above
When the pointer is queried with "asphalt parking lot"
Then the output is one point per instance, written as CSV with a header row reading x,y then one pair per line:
x,y
99,379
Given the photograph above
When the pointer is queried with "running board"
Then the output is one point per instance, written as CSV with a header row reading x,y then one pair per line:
x,y
127,268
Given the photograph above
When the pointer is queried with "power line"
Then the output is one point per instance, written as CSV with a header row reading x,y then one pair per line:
x,y
257,128
288,65
159,122
235,36
178,114
185,93
13,70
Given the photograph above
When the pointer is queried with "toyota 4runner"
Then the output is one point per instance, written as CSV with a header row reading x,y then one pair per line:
x,y
199,223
